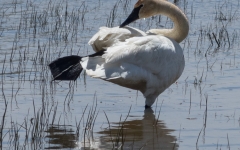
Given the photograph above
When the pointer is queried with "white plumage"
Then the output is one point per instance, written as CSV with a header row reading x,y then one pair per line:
x,y
149,62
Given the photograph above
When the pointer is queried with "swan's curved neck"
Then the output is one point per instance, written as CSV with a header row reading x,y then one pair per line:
x,y
181,27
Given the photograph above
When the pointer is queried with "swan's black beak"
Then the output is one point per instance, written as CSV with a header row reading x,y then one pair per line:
x,y
132,17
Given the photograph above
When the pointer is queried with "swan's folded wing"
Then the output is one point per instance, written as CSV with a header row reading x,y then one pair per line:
x,y
138,59
107,37
148,52
96,67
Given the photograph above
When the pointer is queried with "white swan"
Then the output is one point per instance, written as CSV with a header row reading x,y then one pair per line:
x,y
149,62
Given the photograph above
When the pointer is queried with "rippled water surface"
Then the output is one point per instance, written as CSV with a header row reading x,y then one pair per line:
x,y
200,111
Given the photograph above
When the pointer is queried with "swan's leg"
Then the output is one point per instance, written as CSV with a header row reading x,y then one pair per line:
x,y
147,107
150,100
151,95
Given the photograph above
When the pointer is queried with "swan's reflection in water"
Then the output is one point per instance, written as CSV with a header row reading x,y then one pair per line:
x,y
138,134
143,133
60,137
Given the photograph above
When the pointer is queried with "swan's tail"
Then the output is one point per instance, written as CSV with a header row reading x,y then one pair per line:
x,y
66,68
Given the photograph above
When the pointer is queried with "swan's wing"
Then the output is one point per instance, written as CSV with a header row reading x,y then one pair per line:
x,y
107,37
137,59
153,53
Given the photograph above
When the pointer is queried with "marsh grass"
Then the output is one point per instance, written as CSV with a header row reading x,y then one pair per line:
x,y
26,60
34,34
118,140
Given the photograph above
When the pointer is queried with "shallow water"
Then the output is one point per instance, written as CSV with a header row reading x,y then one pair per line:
x,y
200,111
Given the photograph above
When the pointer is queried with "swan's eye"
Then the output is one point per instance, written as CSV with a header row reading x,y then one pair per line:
x,y
140,6
140,2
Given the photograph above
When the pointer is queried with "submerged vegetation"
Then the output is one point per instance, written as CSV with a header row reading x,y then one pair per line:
x,y
37,113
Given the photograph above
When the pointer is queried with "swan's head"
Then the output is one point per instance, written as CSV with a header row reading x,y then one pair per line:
x,y
142,9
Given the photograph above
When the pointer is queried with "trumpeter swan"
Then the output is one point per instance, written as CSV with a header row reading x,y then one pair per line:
x,y
149,62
